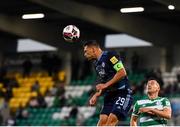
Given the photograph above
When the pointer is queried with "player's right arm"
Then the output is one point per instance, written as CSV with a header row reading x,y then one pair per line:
x,y
118,67
93,99
133,121
134,116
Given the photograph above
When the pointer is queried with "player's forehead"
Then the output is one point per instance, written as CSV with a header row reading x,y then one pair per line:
x,y
87,47
152,82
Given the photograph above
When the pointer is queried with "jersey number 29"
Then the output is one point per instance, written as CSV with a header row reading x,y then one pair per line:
x,y
120,101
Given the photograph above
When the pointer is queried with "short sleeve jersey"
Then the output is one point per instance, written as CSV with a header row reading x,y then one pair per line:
x,y
107,66
146,119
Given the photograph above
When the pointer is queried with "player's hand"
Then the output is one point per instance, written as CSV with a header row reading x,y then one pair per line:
x,y
93,100
100,86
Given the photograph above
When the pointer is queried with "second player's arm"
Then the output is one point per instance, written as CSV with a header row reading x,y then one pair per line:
x,y
165,113
134,120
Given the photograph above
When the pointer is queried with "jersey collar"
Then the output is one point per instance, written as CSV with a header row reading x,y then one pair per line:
x,y
100,56
154,98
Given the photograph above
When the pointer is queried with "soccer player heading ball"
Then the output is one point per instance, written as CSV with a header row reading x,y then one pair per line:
x,y
112,83
152,110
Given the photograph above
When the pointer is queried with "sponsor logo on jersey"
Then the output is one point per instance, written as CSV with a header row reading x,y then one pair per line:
x,y
114,60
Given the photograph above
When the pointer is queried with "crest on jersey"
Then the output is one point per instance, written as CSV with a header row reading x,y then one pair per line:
x,y
103,64
114,60
158,103
101,71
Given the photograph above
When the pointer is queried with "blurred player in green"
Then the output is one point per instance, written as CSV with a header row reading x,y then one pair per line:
x,y
153,110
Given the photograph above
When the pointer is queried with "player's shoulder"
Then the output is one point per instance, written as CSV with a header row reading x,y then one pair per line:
x,y
163,99
111,52
165,102
111,55
143,100
108,54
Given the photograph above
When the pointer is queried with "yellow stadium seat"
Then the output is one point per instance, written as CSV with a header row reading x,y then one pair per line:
x,y
1,85
23,104
14,103
27,95
43,90
34,94
4,89
18,75
61,75
15,91
29,85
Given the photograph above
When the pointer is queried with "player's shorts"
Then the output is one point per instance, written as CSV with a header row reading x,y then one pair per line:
x,y
117,102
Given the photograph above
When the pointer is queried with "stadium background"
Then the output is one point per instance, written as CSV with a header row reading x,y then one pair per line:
x,y
52,87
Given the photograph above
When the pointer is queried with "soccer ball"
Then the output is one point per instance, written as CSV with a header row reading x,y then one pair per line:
x,y
71,33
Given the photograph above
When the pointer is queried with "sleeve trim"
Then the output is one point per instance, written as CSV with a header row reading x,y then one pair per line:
x,y
134,114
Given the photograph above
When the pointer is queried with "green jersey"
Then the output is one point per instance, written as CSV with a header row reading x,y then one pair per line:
x,y
146,119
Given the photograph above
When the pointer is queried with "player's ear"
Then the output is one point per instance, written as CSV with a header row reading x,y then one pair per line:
x,y
93,49
158,86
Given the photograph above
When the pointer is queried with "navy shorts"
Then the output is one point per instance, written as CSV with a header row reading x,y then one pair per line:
x,y
117,102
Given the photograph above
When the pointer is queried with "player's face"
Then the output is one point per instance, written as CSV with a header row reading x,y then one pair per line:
x,y
152,86
89,52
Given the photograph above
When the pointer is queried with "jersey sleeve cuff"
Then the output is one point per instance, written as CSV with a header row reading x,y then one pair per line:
x,y
134,114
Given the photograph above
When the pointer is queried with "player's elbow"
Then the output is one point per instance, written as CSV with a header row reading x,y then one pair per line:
x,y
122,72
133,124
133,121
168,116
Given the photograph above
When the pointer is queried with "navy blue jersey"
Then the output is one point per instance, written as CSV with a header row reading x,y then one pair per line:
x,y
106,67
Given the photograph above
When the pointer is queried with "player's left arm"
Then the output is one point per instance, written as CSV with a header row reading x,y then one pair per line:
x,y
120,73
166,112
134,116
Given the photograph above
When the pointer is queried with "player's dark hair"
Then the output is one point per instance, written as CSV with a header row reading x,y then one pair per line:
x,y
154,78
91,43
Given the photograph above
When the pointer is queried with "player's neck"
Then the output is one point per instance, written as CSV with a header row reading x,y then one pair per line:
x,y
152,95
99,53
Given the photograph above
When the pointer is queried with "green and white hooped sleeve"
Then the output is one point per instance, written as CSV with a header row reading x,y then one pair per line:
x,y
135,109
